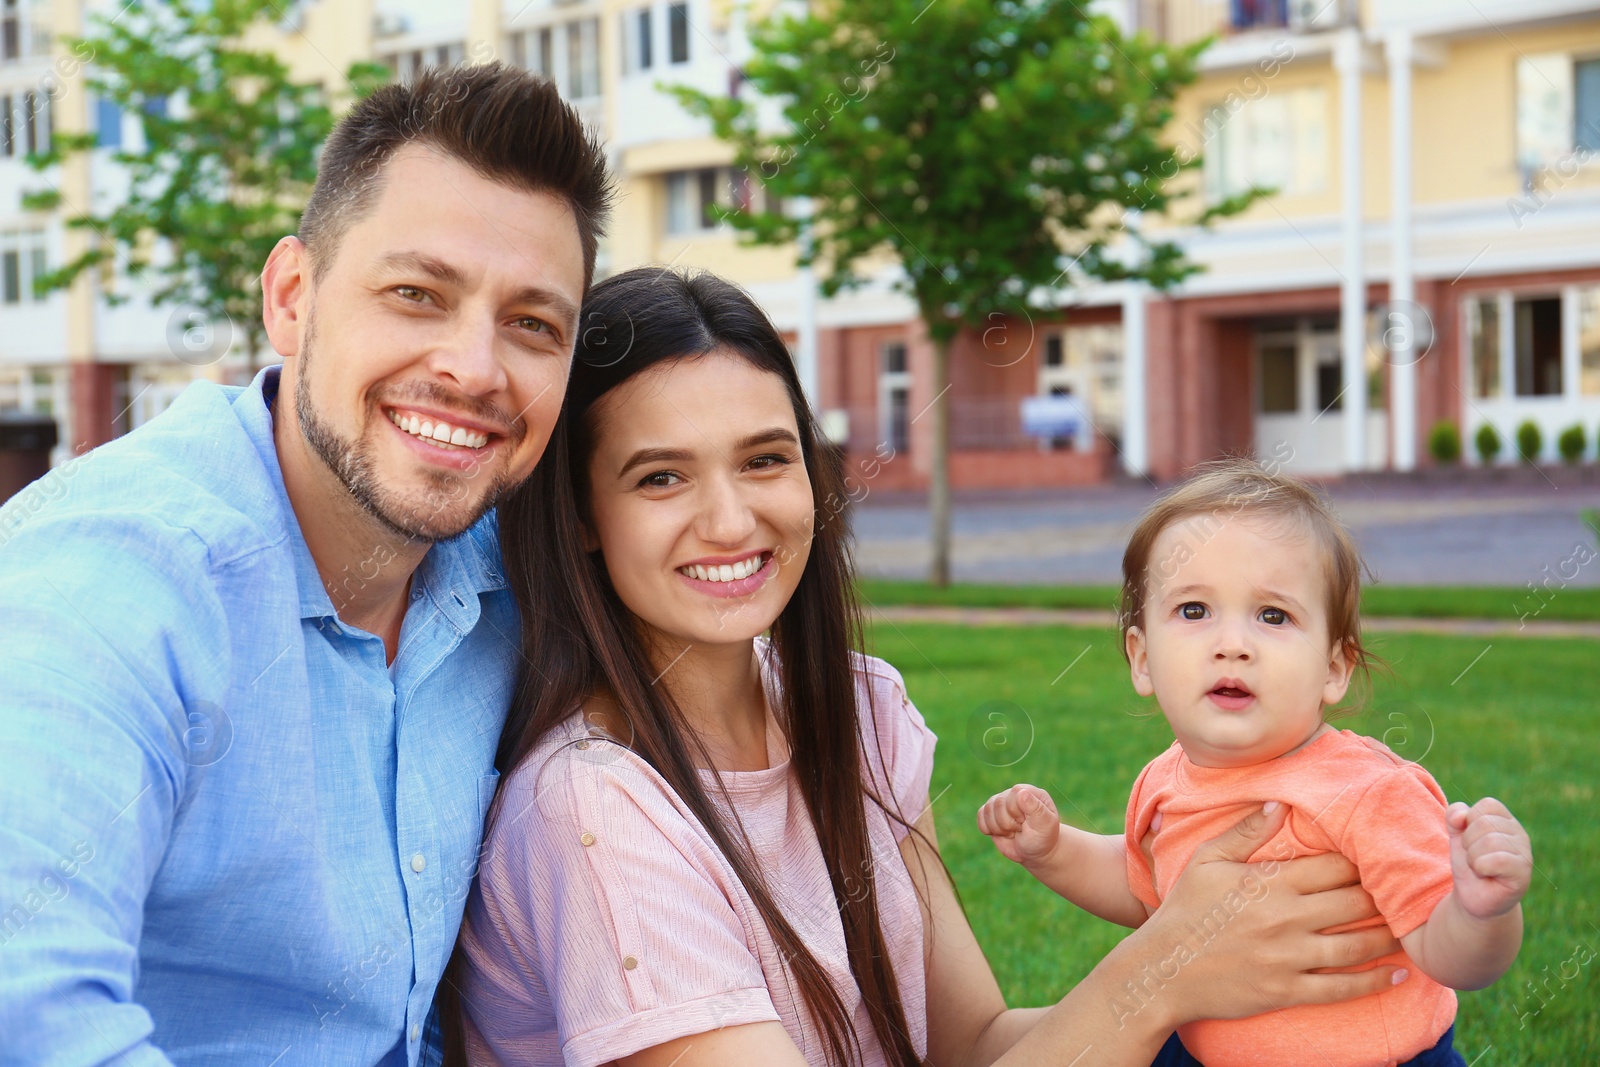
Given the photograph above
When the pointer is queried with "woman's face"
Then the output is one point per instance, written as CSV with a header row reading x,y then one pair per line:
x,y
700,504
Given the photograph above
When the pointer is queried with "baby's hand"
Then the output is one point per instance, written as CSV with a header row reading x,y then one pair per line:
x,y
1023,823
1491,858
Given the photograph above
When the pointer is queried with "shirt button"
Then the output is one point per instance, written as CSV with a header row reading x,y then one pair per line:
x,y
419,862
416,1031
629,963
587,838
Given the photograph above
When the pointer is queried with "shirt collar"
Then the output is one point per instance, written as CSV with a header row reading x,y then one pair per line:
x,y
454,572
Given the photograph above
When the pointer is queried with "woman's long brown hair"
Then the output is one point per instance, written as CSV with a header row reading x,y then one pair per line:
x,y
578,637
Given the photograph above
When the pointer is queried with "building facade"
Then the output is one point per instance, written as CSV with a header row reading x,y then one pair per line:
x,y
1431,251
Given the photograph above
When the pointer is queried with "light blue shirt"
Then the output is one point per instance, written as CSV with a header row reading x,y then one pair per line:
x,y
229,833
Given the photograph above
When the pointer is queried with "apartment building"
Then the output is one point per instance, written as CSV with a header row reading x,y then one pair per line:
x,y
1432,250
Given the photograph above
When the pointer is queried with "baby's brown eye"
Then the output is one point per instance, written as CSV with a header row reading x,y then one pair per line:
x,y
1193,612
1274,616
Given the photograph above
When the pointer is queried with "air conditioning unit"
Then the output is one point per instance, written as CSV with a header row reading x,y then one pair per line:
x,y
390,24
1315,16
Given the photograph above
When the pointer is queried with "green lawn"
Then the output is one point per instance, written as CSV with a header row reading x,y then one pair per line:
x,y
1519,724
1454,602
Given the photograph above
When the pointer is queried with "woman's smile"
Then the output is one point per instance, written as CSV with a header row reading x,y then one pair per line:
x,y
730,576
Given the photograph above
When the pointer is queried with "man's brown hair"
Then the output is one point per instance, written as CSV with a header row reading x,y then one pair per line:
x,y
507,124
1227,489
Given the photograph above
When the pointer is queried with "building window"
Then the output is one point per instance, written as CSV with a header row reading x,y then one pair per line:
x,y
1086,362
698,200
677,33
24,123
1589,341
1536,346
1483,333
534,50
1586,104
10,29
107,123
35,391
1257,14
1558,107
407,64
1280,378
894,397
637,45
583,58
22,259
1277,141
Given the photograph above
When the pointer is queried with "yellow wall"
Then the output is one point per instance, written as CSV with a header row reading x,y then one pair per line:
x,y
1463,120
1465,112
333,35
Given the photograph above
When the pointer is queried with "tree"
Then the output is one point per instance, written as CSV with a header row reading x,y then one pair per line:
x,y
995,147
227,160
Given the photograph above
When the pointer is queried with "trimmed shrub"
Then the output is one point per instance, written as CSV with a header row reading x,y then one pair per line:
x,y
1530,442
1487,441
1572,443
1444,442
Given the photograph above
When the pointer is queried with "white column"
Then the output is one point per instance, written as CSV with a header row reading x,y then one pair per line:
x,y
1402,283
1135,437
805,280
1353,297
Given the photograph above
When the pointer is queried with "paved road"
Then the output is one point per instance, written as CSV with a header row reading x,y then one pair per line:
x,y
1509,627
1428,534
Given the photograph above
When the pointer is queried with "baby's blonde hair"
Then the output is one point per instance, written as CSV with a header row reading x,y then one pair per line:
x,y
1227,488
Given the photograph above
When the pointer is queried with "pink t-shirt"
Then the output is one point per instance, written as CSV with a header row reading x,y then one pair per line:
x,y
605,921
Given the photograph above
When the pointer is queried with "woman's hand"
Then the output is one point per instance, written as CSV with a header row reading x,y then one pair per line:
x,y
1234,939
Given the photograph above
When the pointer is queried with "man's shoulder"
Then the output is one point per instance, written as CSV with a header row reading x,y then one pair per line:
x,y
191,475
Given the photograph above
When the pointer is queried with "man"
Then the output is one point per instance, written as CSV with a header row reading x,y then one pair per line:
x,y
258,652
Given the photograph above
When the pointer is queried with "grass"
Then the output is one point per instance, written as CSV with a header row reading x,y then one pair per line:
x,y
1518,724
1575,603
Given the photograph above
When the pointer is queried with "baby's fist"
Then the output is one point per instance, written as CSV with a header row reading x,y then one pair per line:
x,y
1491,858
1023,823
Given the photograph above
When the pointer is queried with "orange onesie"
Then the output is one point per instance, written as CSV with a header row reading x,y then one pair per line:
x,y
1347,794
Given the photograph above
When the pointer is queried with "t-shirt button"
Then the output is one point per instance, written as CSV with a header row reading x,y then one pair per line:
x,y
416,1031
587,838
629,963
419,862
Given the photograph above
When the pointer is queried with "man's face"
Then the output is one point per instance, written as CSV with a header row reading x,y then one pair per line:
x,y
436,343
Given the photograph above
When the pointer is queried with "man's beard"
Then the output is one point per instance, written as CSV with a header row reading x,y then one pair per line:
x,y
444,510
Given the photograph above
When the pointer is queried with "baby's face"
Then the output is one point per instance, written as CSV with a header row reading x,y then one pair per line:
x,y
1235,644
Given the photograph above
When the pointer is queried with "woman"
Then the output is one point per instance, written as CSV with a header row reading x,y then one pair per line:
x,y
715,848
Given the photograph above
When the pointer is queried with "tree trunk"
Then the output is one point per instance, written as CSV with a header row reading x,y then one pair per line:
x,y
939,466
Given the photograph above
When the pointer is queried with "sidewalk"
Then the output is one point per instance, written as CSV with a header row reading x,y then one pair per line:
x,y
1108,620
1411,534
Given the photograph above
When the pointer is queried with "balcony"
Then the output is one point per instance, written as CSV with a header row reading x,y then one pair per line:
x,y
1181,22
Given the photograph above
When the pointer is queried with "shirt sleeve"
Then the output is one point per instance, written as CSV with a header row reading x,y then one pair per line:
x,y
93,694
614,899
904,757
1141,810
1397,839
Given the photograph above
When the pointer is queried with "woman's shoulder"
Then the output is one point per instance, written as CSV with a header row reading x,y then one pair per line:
x,y
574,771
878,676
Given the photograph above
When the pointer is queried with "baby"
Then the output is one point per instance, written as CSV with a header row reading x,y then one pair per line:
x,y
1240,615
